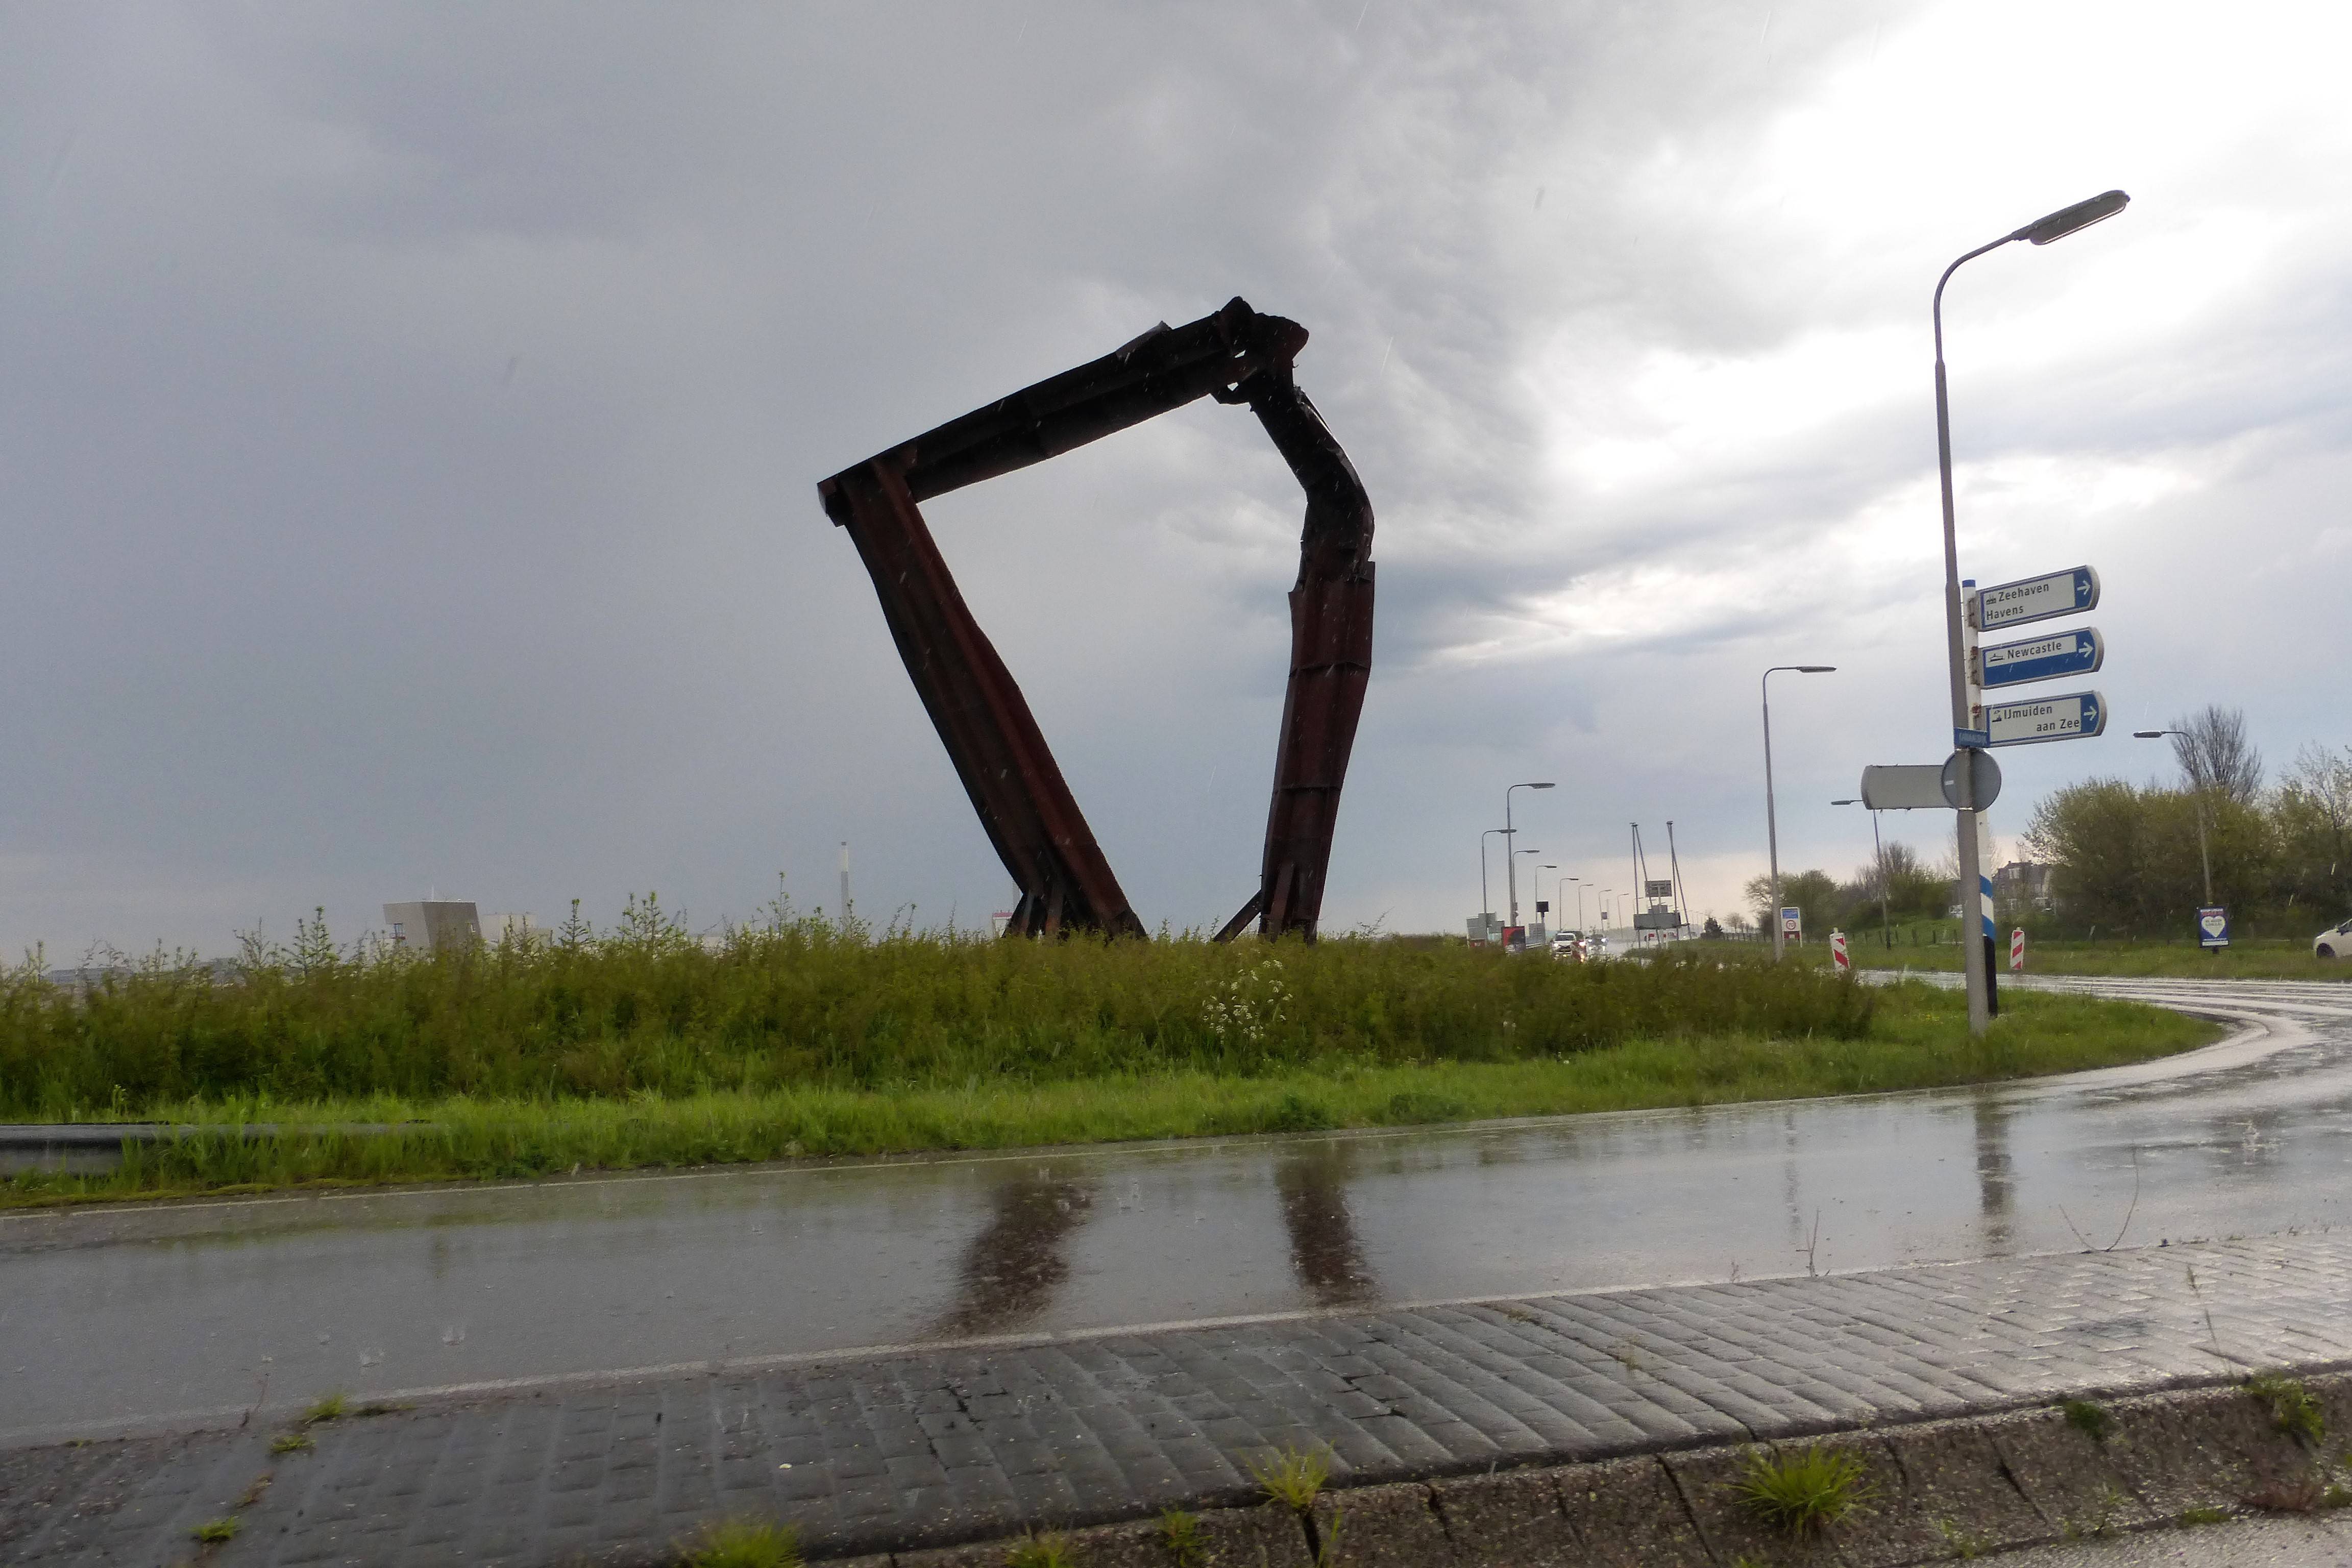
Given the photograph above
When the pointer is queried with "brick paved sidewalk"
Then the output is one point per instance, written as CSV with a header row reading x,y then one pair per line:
x,y
955,1445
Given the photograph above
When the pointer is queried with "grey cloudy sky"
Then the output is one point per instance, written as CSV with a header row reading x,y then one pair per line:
x,y
410,416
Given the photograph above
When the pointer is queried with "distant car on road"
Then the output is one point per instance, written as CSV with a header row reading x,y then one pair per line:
x,y
2336,942
1569,945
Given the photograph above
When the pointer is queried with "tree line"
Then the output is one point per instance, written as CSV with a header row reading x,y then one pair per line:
x,y
2126,857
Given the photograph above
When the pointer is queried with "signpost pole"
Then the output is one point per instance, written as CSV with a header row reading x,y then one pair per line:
x,y
1972,952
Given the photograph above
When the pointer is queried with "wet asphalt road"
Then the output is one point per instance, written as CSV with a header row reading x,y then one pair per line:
x,y
168,1313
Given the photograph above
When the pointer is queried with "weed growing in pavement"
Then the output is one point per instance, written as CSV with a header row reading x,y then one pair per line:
x,y
2293,1406
291,1443
2204,1514
743,1543
328,1407
214,1531
1051,1549
1180,1533
2090,1420
1961,1544
1803,1490
1291,1476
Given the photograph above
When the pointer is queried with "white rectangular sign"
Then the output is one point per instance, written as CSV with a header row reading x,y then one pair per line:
x,y
2067,592
2076,716
1903,787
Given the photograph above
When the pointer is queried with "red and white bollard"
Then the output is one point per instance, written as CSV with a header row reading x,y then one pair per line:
x,y
1837,952
2017,950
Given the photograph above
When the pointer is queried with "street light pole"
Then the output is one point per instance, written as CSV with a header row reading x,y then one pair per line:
x,y
1511,867
2196,783
1878,847
1771,824
1486,900
1978,954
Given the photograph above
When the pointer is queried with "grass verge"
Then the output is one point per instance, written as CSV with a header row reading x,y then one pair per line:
x,y
1918,1039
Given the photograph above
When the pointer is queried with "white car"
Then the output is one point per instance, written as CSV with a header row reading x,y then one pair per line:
x,y
2336,942
1568,946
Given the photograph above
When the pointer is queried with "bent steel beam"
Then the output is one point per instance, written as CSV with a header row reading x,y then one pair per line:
x,y
1236,356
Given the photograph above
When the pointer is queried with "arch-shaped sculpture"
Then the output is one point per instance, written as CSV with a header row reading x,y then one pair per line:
x,y
1236,356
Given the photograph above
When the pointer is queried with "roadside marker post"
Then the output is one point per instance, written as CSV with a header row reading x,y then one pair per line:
x,y
1837,953
2017,950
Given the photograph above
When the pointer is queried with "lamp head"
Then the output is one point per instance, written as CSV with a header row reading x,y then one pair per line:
x,y
1815,668
1855,802
1546,784
2066,220
2147,734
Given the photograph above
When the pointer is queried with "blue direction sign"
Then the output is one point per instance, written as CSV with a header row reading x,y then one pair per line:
x,y
2067,592
2076,716
2079,652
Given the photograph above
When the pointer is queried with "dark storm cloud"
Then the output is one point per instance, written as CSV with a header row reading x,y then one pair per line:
x,y
413,413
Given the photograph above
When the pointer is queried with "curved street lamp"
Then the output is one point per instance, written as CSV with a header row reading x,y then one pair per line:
x,y
2041,231
1771,827
1885,921
1511,867
2197,783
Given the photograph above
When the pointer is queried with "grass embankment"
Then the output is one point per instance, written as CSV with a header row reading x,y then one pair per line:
x,y
647,1049
2263,959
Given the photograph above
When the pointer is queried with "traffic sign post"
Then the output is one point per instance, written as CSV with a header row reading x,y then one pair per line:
x,y
2059,656
1792,923
1968,781
1838,954
2017,950
2073,592
2076,716
2213,927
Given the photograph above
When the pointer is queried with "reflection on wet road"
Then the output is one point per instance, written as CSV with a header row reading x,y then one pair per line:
x,y
138,1314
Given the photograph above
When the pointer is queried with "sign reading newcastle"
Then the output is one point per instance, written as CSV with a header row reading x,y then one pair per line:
x,y
2076,716
2060,654
2067,592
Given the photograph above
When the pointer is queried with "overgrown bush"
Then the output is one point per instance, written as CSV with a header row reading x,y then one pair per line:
x,y
650,1009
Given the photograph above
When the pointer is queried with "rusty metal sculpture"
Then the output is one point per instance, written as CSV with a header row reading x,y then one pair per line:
x,y
1234,356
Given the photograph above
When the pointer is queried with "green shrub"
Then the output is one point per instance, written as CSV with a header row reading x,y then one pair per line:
x,y
1803,1490
798,1002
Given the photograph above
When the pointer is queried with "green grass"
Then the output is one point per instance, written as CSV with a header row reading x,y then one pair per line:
x,y
291,1443
1180,1533
1804,1490
1291,1476
1918,1039
214,1531
742,1543
328,1407
2294,1406
2092,1420
2263,959
1049,1550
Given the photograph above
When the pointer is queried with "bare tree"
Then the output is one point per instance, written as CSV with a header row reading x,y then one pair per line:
x,y
2212,750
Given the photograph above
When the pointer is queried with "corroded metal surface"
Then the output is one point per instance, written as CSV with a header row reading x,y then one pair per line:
x,y
1236,356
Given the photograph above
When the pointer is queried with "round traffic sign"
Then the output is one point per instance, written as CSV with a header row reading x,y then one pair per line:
x,y
1982,781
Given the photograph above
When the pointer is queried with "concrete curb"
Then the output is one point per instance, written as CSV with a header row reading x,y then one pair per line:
x,y
1937,1492
87,1146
